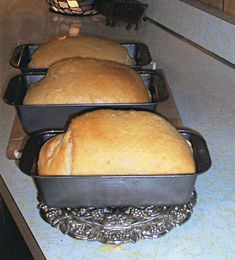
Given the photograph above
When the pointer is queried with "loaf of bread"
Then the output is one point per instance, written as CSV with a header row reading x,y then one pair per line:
x,y
79,46
116,142
85,80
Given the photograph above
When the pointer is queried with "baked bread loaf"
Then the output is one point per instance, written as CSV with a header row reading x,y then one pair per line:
x,y
79,46
85,80
116,142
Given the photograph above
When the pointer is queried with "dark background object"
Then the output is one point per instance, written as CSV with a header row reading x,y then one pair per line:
x,y
127,11
74,7
12,245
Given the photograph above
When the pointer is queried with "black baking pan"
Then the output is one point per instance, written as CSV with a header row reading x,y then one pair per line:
x,y
22,55
114,191
42,117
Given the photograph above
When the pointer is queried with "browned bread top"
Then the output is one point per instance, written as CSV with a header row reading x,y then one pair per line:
x,y
85,80
79,46
114,142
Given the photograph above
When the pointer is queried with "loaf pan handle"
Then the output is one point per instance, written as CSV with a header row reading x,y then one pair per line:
x,y
200,149
162,87
15,91
143,55
29,153
160,83
16,56
201,152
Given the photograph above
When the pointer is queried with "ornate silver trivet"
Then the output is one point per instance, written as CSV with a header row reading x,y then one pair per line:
x,y
118,225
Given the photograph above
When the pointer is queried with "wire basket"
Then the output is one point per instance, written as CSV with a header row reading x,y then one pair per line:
x,y
72,7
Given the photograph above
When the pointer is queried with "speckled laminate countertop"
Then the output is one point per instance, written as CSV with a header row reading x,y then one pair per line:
x,y
203,89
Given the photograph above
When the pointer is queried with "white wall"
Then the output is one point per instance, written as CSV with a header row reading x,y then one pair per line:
x,y
209,31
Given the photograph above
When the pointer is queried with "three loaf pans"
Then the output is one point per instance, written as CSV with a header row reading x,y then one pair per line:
x,y
44,122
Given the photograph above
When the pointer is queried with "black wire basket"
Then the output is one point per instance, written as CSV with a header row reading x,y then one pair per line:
x,y
73,7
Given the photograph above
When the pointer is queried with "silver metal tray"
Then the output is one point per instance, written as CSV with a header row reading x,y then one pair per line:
x,y
118,225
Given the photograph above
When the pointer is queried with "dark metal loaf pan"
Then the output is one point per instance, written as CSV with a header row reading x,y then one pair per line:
x,y
22,55
100,191
41,117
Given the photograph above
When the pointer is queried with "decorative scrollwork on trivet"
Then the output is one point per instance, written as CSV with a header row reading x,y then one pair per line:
x,y
117,225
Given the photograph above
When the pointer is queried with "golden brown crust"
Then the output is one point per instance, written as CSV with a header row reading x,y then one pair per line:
x,y
112,142
79,46
55,155
85,80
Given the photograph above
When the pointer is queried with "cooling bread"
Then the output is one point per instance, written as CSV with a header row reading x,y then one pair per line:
x,y
115,142
79,46
85,80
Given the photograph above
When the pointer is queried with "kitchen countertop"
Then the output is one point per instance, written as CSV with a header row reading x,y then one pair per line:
x,y
203,89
